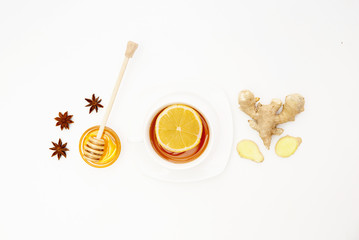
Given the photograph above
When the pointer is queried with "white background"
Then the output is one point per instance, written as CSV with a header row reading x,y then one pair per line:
x,y
53,54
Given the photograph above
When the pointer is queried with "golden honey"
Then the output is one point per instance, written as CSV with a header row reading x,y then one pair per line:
x,y
181,157
112,146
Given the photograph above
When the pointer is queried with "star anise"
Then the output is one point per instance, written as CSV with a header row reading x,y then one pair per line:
x,y
63,120
59,149
94,103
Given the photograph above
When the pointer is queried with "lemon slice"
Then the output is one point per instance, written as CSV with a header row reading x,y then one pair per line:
x,y
178,128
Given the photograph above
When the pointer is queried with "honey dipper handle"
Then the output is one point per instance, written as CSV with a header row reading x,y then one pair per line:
x,y
131,48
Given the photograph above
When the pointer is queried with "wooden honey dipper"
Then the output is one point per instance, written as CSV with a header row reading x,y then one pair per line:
x,y
94,149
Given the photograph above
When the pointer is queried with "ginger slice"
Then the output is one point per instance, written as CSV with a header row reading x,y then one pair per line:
x,y
286,146
249,150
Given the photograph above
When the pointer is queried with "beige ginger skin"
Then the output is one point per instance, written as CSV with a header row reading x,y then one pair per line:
x,y
265,117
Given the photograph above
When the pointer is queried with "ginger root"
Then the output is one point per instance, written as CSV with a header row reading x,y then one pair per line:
x,y
249,150
287,145
265,117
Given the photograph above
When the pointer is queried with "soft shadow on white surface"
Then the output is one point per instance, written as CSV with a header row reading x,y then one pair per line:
x,y
55,54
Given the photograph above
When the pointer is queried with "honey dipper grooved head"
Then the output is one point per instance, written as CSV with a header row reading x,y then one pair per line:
x,y
94,149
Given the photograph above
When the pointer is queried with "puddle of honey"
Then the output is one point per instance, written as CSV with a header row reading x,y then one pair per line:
x,y
182,157
112,146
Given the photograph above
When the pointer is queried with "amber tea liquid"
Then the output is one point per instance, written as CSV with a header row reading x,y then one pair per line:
x,y
182,157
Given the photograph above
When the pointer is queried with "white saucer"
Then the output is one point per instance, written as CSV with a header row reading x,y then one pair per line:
x,y
213,104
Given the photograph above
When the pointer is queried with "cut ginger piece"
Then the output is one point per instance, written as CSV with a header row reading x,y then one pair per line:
x,y
287,145
249,150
